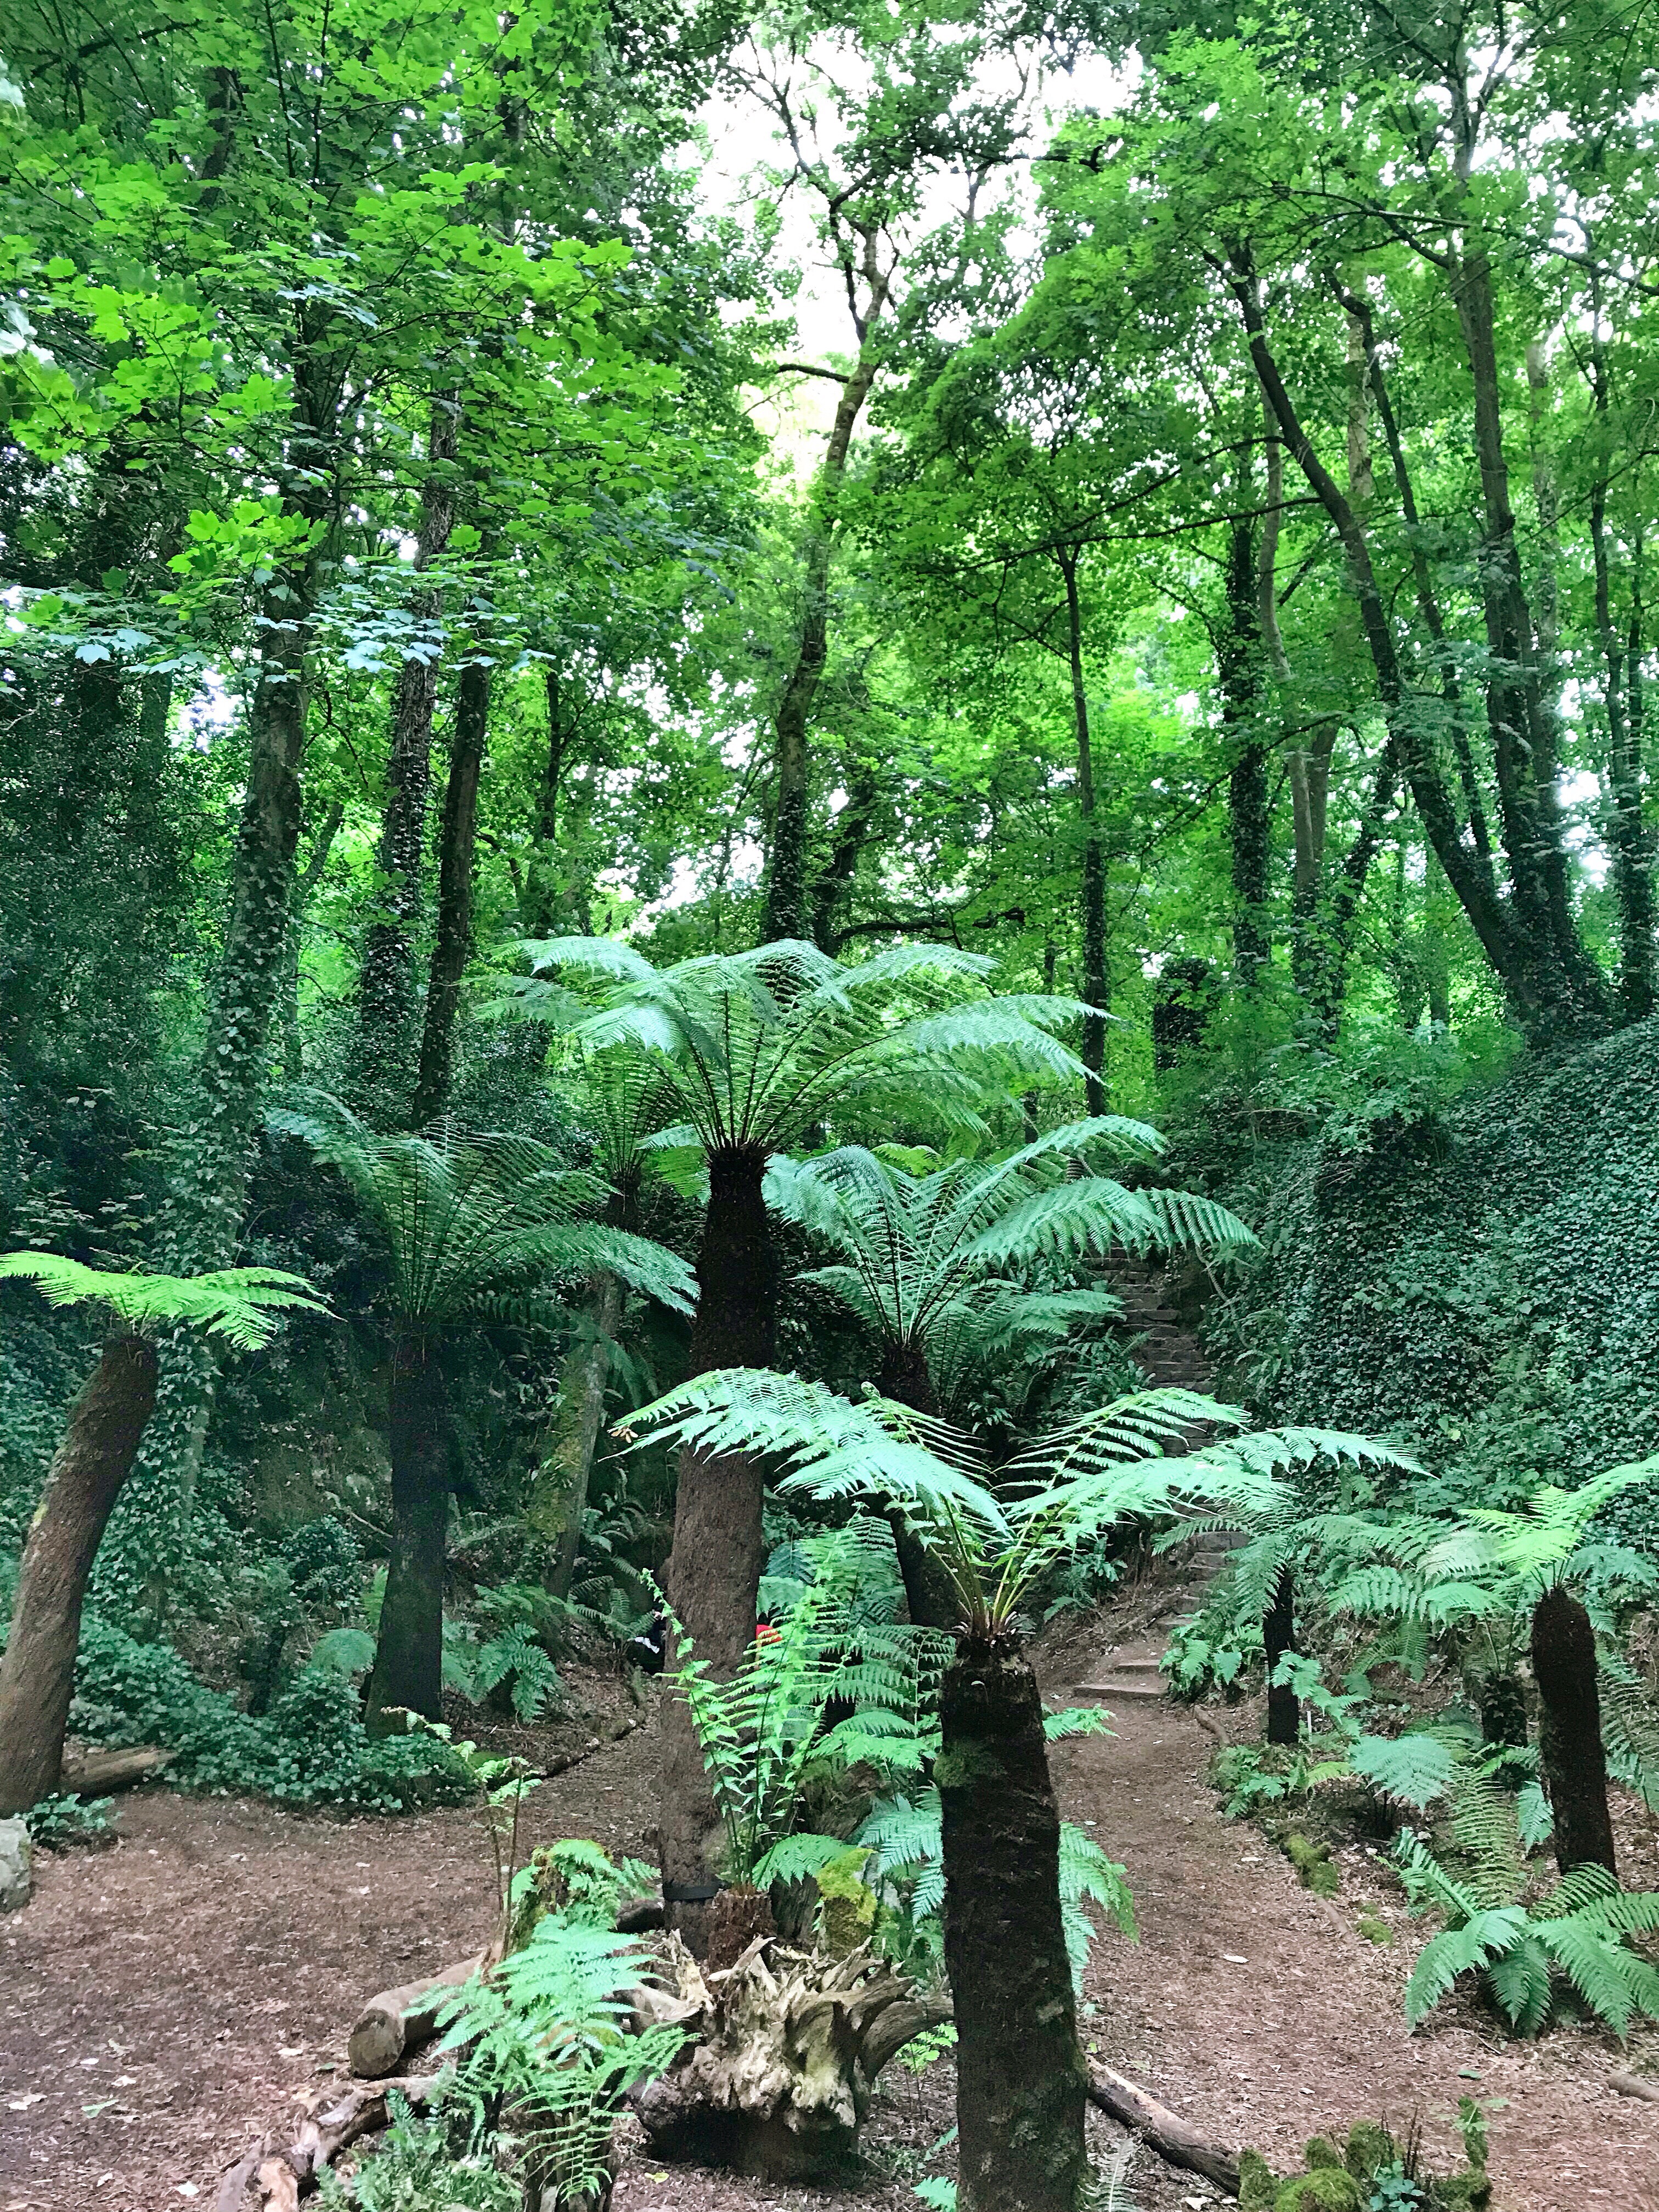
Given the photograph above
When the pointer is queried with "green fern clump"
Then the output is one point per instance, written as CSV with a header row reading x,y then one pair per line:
x,y
1577,1936
310,1748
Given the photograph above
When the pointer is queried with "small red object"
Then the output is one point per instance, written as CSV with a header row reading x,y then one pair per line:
x,y
765,1634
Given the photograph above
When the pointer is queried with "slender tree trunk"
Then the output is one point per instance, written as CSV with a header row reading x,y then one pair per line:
x,y
388,1004
452,945
37,1675
1279,1637
852,834
562,1498
1533,981
1627,832
305,885
714,1569
785,885
408,1669
1022,2082
542,884
1569,1733
1096,985
1249,818
932,1601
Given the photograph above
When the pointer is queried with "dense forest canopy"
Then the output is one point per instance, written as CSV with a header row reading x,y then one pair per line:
x,y
743,753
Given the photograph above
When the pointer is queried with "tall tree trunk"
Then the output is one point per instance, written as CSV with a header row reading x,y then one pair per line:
x,y
37,1675
1092,890
1569,1733
714,1568
1022,2083
1249,820
387,1000
202,1220
541,904
562,1489
1279,1637
932,1601
452,945
1544,1002
786,882
409,1658
1627,832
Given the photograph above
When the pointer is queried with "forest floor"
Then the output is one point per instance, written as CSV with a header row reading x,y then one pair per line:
x,y
163,2001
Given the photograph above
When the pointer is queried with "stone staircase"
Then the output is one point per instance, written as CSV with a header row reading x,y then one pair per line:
x,y
1166,1349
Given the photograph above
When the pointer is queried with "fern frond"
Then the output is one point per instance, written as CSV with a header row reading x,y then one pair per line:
x,y
1414,1769
245,1305
1483,1937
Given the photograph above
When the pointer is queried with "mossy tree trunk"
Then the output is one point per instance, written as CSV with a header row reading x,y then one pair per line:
x,y
714,1569
582,1387
1022,2082
1569,1737
409,1658
37,1675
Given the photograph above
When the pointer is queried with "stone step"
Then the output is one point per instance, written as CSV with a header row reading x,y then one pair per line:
x,y
1118,1690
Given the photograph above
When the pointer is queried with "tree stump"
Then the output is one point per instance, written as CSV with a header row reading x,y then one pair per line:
x,y
784,2050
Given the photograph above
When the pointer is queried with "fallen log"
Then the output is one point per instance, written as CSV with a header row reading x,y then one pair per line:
x,y
100,1773
1632,2085
395,2021
1175,2140
281,2178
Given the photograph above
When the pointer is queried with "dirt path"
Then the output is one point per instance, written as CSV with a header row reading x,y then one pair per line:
x,y
1258,2011
163,2001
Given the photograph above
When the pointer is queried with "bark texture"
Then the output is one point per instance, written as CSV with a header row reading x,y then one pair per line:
x,y
409,1659
398,2020
37,1675
1022,2083
562,1487
1569,1735
714,1571
1092,886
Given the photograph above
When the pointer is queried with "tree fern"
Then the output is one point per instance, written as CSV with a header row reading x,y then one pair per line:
x,y
245,1305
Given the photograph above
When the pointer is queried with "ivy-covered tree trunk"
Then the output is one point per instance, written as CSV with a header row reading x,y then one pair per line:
x,y
562,1488
1279,1637
452,945
1570,1737
305,884
714,1569
37,1675
408,1668
1022,2082
388,1002
928,1596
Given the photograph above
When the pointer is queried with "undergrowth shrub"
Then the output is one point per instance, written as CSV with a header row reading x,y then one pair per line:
x,y
311,1748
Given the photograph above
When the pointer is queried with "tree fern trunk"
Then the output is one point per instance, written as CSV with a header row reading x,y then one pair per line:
x,y
37,1675
409,1660
1022,2083
1279,1637
1570,1738
928,1596
714,1571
